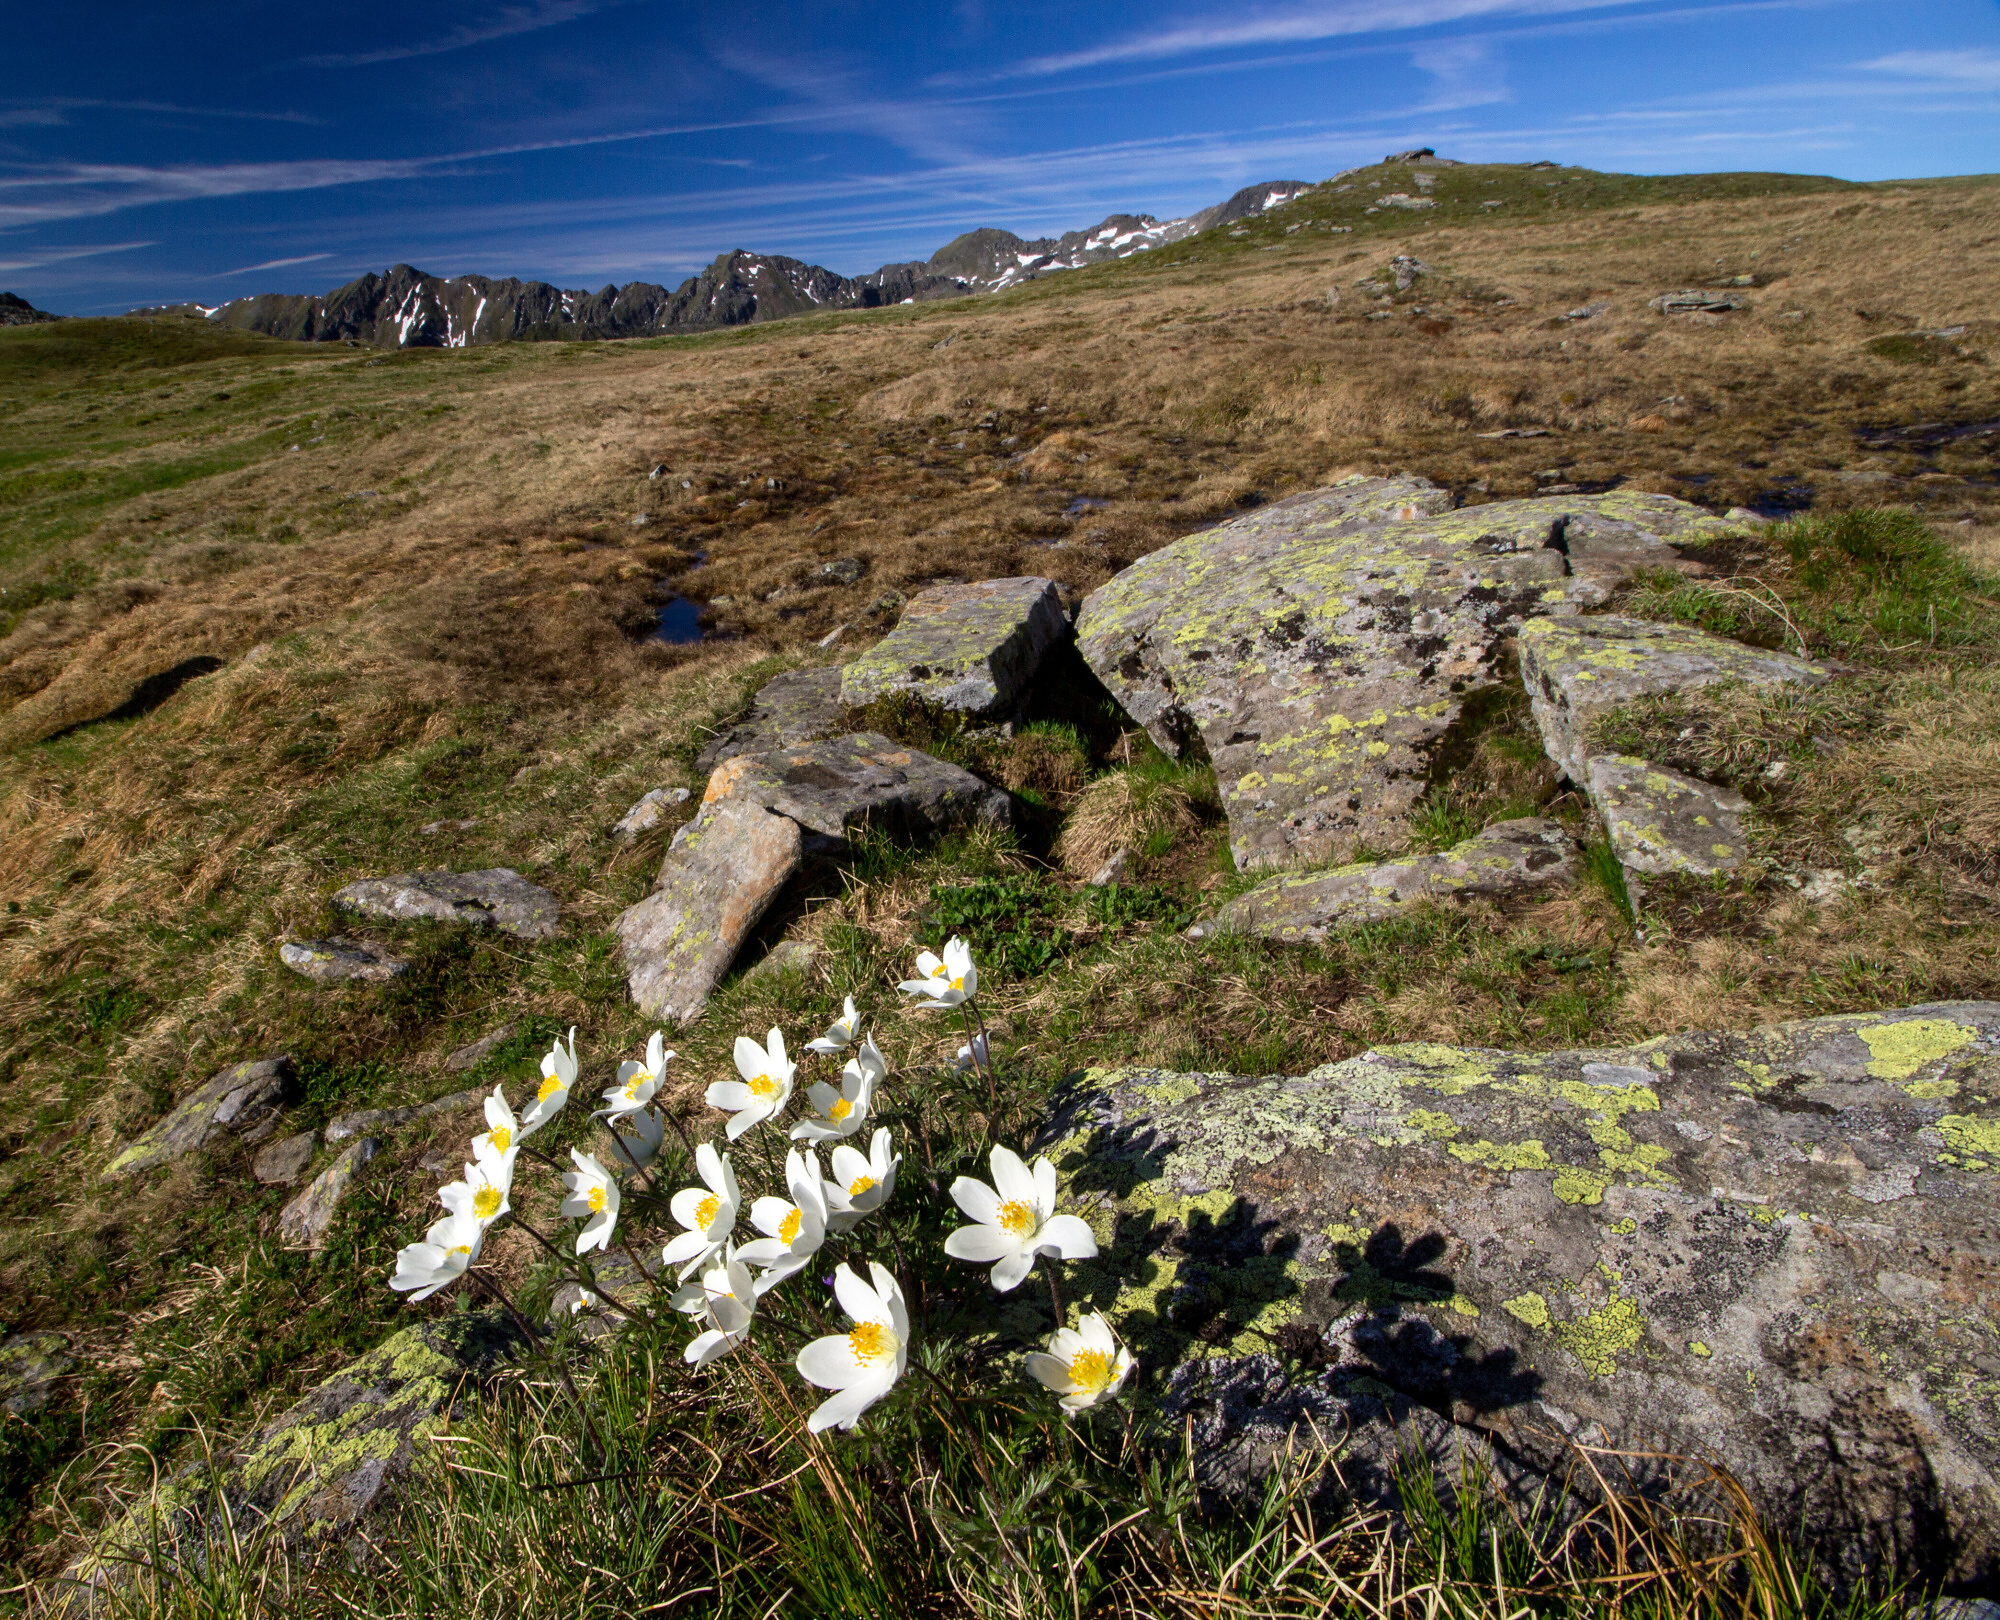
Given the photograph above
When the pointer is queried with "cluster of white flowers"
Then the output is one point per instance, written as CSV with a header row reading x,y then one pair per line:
x,y
722,1282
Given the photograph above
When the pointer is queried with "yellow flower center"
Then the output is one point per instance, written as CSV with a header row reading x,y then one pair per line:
x,y
597,1200
463,1248
637,1083
859,1185
788,1228
871,1341
840,1110
704,1212
1018,1218
500,1136
958,983
1092,1370
486,1202
550,1087
763,1086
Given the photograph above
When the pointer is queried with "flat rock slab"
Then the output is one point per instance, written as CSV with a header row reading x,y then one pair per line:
x,y
800,706
1510,857
496,898
1779,1248
331,1465
1578,669
474,1053
1321,647
1662,822
969,647
363,1120
239,1101
336,961
30,1365
304,1221
283,1162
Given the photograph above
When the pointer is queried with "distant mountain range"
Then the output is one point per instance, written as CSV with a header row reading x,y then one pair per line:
x,y
408,309
19,312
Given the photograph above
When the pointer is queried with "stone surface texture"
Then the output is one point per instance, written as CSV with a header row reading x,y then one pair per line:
x,y
648,813
1779,1248
30,1364
284,1161
1577,669
970,647
800,706
325,1468
240,1101
304,1221
1510,857
334,961
474,1053
1320,648
1662,822
496,898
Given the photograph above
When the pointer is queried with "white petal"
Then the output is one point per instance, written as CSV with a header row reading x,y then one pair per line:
x,y
1050,1372
977,1199
1067,1235
829,1363
684,1204
849,1166
729,1095
844,1410
1012,1271
1045,1183
857,1298
741,1122
980,1244
1012,1180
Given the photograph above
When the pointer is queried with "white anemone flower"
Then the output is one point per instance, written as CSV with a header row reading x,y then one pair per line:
x,y
840,1035
503,1132
861,1365
1084,1365
726,1299
484,1193
943,981
639,1146
763,1091
558,1078
637,1083
709,1216
978,1055
860,1186
844,1110
793,1230
448,1249
1016,1220
593,1192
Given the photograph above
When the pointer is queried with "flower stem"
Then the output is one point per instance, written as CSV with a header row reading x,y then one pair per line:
x,y
492,1286
1055,1297
571,1268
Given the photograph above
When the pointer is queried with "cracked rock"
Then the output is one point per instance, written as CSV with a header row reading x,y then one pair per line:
x,y
243,1101
496,898
973,647
1662,822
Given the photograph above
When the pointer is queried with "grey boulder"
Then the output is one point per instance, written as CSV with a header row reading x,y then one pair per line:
x,y
496,898
304,1221
363,1120
1664,823
1772,1248
242,1101
335,961
799,706
973,647
284,1161
474,1053
1510,857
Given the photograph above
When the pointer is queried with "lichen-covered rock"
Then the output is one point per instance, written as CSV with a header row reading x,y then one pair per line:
x,y
496,898
1510,857
1580,668
30,1364
648,813
1779,1248
240,1101
971,647
335,961
303,1223
1320,648
1662,822
799,706
283,1162
313,1476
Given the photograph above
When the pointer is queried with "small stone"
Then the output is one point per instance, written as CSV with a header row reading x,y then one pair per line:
x,y
832,637
431,829
283,1162
1693,301
452,1103
1662,822
364,1120
1116,870
1747,517
304,1221
331,961
645,815
844,571
238,1101
495,898
30,1364
837,786
969,647
890,601
474,1053
787,956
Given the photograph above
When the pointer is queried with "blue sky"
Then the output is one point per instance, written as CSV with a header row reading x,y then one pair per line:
x,y
204,150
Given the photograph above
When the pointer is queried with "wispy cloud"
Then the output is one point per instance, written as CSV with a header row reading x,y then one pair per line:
x,y
63,255
278,264
1967,67
506,24
18,117
1469,73
83,190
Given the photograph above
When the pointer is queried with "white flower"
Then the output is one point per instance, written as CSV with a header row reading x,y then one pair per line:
x,y
726,1299
708,1216
503,1132
840,1036
638,1083
763,1091
1017,1220
978,1055
794,1231
1084,1365
861,1365
943,982
844,1111
860,1186
640,1146
483,1194
558,1076
449,1247
593,1191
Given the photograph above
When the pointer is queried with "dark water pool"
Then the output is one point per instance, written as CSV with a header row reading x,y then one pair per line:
x,y
680,622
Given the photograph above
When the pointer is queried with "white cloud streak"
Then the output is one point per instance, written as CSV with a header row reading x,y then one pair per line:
x,y
278,264
83,190
64,255
510,22
1965,69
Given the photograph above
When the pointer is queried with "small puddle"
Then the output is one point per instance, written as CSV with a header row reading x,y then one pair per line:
x,y
680,622
1083,504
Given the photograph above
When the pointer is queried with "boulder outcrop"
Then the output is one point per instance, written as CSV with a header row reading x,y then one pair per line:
x,y
969,647
799,706
1779,1249
241,1101
1321,647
